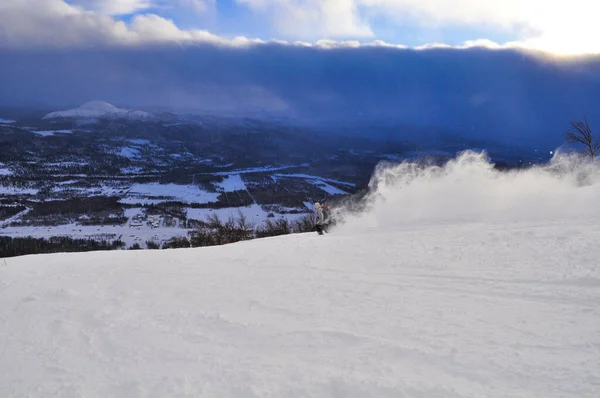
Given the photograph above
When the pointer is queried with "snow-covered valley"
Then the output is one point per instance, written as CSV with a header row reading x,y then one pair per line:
x,y
102,172
491,292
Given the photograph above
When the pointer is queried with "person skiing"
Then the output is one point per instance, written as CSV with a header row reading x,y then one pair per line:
x,y
320,224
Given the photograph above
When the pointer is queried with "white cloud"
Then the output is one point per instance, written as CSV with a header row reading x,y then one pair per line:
x,y
556,25
199,6
114,7
56,23
503,13
130,7
313,18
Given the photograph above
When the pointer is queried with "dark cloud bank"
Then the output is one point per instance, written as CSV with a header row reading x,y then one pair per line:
x,y
504,94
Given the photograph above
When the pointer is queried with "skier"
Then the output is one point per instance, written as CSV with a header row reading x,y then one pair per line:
x,y
320,225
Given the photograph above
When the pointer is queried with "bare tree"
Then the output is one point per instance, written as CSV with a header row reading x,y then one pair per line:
x,y
581,132
245,228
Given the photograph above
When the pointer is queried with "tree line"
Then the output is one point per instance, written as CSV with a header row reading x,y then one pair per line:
x,y
216,231
212,232
11,247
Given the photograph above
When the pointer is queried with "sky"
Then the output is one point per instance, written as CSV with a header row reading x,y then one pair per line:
x,y
561,27
507,68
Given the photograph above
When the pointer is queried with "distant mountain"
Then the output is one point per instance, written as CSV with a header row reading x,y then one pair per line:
x,y
100,109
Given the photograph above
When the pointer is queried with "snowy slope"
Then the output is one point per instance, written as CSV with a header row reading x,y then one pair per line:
x,y
469,311
99,109
465,304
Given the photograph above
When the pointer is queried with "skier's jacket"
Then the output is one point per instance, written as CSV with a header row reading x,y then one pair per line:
x,y
320,215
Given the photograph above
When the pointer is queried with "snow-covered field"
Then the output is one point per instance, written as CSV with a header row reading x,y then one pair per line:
x,y
4,171
126,233
7,221
317,181
255,169
253,213
12,190
155,193
232,183
130,153
47,133
131,233
131,170
487,286
139,141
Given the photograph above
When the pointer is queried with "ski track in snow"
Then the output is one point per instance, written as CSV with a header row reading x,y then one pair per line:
x,y
17,216
457,310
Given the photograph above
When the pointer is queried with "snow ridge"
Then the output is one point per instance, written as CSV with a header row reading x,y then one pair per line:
x,y
100,109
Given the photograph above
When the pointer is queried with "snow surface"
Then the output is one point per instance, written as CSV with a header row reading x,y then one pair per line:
x,y
253,213
129,233
98,109
129,153
134,211
232,183
330,189
311,177
131,170
65,164
254,169
6,121
126,233
143,193
318,182
47,133
444,311
5,171
100,190
134,200
17,216
491,292
12,190
139,141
